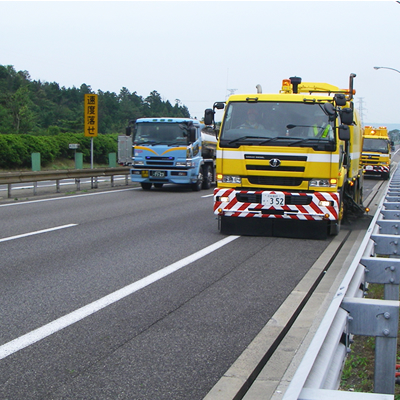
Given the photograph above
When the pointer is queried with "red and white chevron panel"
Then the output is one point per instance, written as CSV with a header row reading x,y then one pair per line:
x,y
312,211
376,168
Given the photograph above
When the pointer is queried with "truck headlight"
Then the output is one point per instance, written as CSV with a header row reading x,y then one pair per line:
x,y
187,163
138,162
322,183
231,179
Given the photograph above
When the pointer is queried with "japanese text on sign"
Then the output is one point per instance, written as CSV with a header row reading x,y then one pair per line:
x,y
91,121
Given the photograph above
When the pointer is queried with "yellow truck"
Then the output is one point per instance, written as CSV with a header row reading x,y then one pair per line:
x,y
375,157
288,164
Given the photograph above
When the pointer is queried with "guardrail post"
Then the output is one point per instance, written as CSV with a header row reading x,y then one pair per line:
x,y
57,186
389,226
386,244
384,271
378,318
9,190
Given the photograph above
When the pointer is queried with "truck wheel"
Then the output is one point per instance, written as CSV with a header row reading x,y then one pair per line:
x,y
208,177
334,228
197,186
146,185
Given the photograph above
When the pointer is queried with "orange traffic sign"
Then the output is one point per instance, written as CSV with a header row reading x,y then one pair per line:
x,y
91,115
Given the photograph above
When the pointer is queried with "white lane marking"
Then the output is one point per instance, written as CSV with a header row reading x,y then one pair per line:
x,y
77,315
208,195
36,232
66,197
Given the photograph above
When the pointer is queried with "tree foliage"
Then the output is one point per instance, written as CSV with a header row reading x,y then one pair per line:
x,y
42,108
16,149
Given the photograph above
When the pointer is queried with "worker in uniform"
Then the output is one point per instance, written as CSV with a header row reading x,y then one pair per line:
x,y
321,129
251,121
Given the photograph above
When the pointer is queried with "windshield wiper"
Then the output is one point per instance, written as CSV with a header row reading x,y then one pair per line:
x,y
176,144
244,138
284,138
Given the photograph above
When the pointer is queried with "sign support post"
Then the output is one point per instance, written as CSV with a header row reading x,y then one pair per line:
x,y
91,122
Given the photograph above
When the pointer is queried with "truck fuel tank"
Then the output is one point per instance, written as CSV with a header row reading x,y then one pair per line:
x,y
209,142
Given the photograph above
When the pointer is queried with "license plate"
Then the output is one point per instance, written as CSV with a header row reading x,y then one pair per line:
x,y
369,167
158,174
273,199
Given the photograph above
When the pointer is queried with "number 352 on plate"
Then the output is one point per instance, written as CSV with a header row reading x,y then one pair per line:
x,y
273,199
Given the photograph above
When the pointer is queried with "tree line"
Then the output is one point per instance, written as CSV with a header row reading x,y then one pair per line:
x,y
44,108
16,150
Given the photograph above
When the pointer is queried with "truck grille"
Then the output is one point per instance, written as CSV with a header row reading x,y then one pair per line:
x,y
269,168
159,163
151,158
281,157
275,181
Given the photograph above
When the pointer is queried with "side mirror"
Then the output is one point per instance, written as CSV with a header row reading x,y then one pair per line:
x,y
340,99
219,105
331,111
209,116
128,131
347,116
192,134
344,132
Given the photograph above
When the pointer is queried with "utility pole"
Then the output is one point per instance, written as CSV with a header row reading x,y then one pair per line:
x,y
361,109
231,92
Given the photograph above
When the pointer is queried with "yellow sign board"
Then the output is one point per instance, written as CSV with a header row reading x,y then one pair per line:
x,y
91,115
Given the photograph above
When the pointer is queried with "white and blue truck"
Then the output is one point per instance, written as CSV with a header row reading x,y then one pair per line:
x,y
172,150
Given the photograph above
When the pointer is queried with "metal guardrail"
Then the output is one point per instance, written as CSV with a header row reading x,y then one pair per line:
x,y
377,261
10,178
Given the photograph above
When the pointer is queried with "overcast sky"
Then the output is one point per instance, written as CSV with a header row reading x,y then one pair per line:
x,y
198,51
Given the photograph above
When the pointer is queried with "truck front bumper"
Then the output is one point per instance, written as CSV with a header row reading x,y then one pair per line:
x,y
176,176
375,170
313,206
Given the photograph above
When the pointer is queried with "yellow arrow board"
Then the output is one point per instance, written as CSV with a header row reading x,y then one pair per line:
x,y
91,115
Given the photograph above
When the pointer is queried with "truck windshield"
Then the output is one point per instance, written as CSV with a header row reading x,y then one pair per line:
x,y
154,133
379,145
277,124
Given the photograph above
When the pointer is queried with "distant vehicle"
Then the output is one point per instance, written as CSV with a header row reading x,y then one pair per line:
x,y
172,150
124,150
375,157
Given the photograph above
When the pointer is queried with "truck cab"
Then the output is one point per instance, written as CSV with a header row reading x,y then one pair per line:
x,y
171,150
288,162
376,152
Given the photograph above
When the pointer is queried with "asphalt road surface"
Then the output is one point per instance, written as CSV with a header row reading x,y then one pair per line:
x,y
131,294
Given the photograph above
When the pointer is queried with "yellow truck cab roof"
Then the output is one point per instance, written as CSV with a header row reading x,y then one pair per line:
x,y
300,97
371,132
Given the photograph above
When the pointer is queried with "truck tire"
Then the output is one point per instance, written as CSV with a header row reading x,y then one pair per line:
x,y
208,177
146,185
334,228
198,185
385,175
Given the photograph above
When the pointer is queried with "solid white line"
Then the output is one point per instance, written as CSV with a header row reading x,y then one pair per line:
x,y
36,232
77,315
